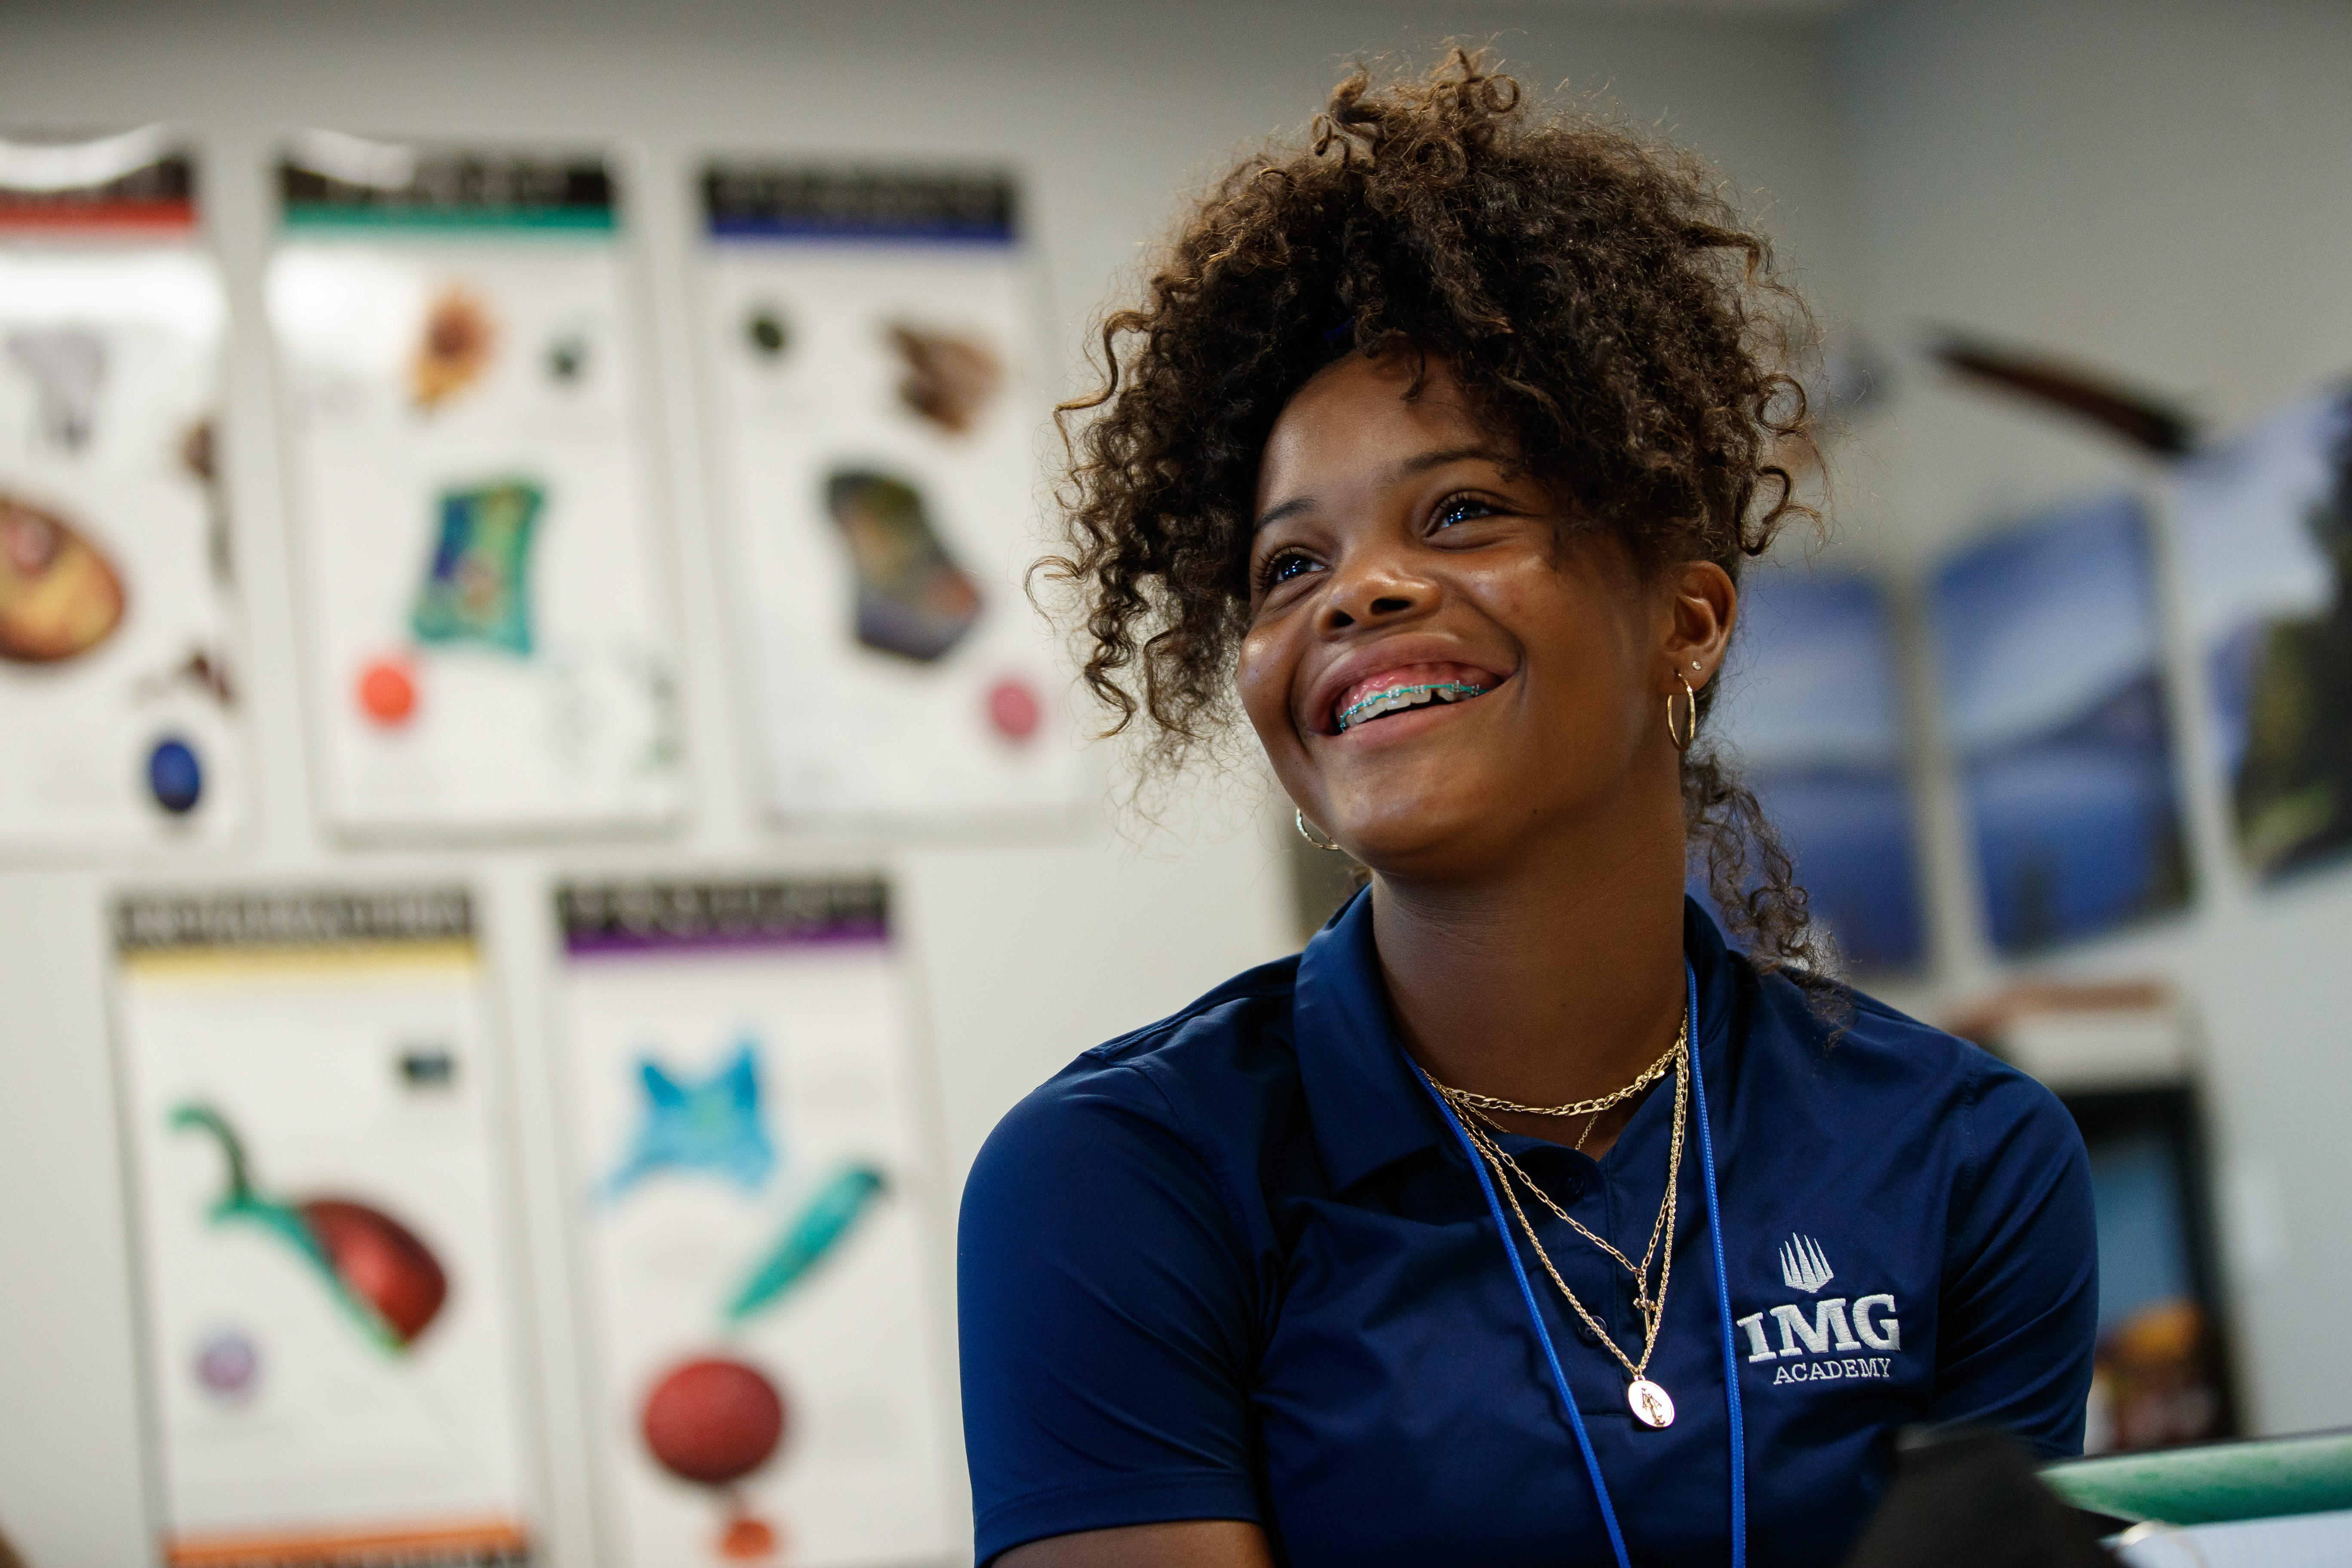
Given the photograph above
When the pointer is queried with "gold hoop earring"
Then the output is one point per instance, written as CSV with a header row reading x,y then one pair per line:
x,y
1690,700
1299,818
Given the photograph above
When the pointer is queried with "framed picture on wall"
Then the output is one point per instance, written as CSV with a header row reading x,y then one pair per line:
x,y
325,1249
1812,708
743,1115
871,341
119,668
481,593
2055,702
2264,524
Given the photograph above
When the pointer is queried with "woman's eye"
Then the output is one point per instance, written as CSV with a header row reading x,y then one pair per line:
x,y
1282,568
1461,509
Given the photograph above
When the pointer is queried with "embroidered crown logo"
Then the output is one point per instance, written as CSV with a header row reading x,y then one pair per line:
x,y
1802,1265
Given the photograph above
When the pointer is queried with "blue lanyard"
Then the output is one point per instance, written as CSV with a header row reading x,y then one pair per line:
x,y
1722,1302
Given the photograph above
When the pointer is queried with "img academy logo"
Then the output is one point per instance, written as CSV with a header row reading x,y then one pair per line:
x,y
1814,1345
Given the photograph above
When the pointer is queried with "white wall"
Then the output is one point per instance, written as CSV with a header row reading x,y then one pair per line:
x,y
2160,187
1030,948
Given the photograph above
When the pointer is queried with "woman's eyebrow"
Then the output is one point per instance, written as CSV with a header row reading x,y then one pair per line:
x,y
1420,463
1425,461
1276,514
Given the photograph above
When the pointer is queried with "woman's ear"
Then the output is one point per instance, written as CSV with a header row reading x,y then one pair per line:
x,y
1704,603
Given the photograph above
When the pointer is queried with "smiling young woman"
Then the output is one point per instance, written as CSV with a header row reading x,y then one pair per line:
x,y
1520,1218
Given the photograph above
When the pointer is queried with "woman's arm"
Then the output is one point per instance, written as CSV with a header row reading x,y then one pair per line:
x,y
1108,1317
1185,1544
2020,1306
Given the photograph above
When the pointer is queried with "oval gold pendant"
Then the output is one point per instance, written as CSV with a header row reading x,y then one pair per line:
x,y
1651,1405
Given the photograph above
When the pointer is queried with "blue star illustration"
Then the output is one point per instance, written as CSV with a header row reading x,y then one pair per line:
x,y
711,1127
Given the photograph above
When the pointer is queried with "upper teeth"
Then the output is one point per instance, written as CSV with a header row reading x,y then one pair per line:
x,y
1398,697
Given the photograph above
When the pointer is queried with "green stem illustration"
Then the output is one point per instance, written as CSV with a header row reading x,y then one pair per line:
x,y
243,1202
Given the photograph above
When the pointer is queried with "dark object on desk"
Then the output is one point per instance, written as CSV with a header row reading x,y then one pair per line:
x,y
1972,1501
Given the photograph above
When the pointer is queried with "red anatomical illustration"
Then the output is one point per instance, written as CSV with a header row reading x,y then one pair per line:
x,y
377,1270
714,1421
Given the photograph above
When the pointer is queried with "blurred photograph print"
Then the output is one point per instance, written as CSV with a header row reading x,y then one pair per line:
x,y
2265,531
2052,701
1814,712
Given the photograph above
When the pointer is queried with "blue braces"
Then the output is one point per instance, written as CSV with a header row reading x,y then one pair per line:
x,y
1457,688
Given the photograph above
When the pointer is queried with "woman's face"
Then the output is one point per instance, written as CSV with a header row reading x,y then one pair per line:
x,y
1439,682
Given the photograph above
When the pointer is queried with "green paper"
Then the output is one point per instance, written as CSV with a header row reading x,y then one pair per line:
x,y
2214,1483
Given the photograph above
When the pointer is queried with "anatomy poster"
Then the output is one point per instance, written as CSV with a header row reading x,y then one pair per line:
x,y
2265,531
117,677
322,1254
2053,697
481,604
871,339
753,1195
1813,708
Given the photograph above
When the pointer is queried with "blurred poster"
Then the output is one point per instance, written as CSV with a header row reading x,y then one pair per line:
x,y
117,663
753,1192
480,617
2054,700
2265,531
871,338
324,1277
1815,713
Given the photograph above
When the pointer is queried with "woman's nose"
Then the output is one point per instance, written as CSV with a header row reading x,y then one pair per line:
x,y
1373,590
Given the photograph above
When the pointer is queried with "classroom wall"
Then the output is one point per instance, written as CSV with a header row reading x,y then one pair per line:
x,y
2157,187
1028,947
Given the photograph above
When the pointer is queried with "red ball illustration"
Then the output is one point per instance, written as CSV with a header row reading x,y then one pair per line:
x,y
1013,708
387,692
713,1420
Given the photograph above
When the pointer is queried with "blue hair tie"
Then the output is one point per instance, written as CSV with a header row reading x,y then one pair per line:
x,y
1341,338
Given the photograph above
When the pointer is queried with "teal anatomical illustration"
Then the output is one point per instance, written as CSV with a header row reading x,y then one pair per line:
x,y
374,1267
823,1221
478,586
712,1126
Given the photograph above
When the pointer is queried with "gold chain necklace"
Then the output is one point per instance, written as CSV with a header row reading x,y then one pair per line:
x,y
1650,1403
1650,1074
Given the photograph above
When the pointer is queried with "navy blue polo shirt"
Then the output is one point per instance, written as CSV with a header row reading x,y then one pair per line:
x,y
1235,1265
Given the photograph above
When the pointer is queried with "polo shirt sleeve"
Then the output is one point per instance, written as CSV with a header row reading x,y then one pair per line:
x,y
1105,1309
2021,1302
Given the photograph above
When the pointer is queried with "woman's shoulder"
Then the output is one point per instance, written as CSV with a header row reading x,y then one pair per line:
x,y
1153,1136
1869,1048
1202,1076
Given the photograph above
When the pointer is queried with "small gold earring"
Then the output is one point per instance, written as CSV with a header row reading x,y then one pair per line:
x,y
1299,818
1690,700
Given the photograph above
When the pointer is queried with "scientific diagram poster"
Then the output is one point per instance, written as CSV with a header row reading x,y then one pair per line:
x,y
872,341
1814,711
2264,525
751,1187
117,677
2053,701
481,613
321,1257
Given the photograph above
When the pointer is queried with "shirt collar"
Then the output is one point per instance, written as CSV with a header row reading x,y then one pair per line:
x,y
1368,1110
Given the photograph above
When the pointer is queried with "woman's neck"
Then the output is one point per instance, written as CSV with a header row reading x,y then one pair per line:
x,y
1558,980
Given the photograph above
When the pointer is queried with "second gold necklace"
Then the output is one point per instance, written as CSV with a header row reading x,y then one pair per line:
x,y
1649,1402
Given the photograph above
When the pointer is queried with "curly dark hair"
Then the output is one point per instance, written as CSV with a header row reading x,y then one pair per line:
x,y
1600,303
